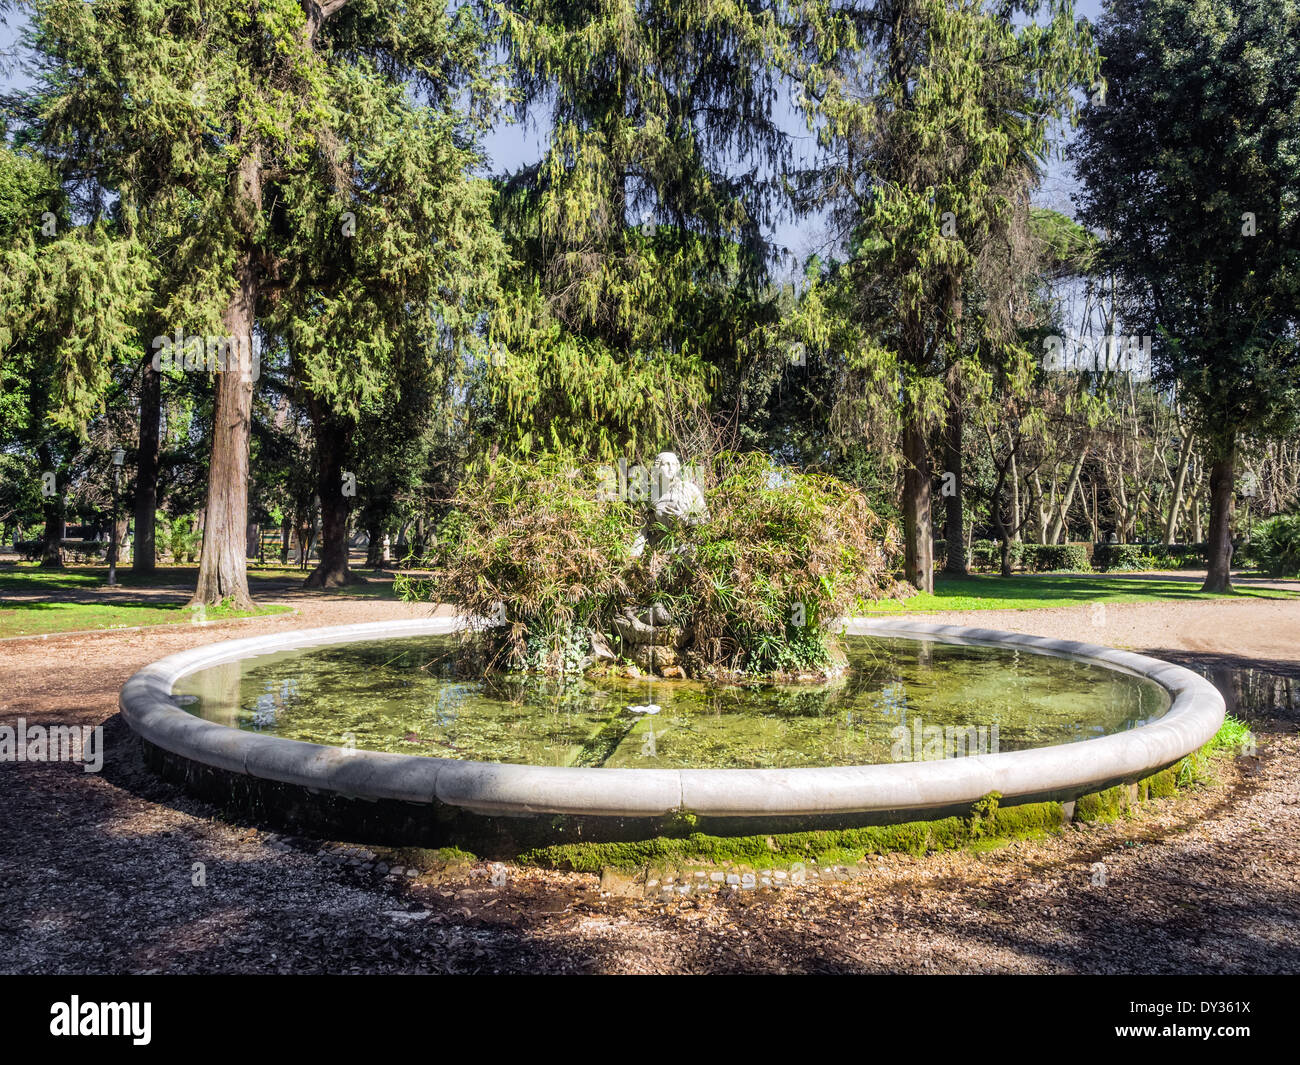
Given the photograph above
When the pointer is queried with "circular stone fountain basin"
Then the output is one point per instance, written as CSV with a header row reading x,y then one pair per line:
x,y
929,720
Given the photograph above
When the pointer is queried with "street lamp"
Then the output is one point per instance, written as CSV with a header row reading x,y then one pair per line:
x,y
119,456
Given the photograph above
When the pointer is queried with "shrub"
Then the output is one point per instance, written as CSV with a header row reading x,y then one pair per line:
x,y
1112,557
1276,545
81,550
1117,557
532,542
1184,556
1040,558
987,554
181,536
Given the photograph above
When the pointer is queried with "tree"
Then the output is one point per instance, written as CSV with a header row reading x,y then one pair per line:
x,y
1188,166
254,132
71,298
641,260
935,115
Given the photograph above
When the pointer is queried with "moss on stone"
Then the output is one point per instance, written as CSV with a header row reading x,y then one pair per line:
x,y
1035,818
1164,785
987,822
1102,806
426,858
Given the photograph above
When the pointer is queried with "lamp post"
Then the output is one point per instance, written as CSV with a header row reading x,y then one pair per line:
x,y
119,456
1249,492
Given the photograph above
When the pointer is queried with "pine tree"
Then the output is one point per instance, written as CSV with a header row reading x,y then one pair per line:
x,y
639,235
252,143
936,117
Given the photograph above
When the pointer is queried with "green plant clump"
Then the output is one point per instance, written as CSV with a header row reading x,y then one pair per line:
x,y
543,547
1276,545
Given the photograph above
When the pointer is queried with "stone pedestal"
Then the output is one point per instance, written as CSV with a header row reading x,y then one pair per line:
x,y
654,648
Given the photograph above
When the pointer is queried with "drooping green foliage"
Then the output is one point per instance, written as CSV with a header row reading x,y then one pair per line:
x,y
71,295
639,233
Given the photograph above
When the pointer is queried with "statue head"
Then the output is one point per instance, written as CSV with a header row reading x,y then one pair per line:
x,y
667,469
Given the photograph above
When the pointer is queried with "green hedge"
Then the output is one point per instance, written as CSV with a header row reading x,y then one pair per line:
x,y
1111,557
81,550
1119,557
1037,558
1042,558
987,554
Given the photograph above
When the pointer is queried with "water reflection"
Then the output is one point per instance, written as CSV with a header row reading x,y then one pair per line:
x,y
900,700
1253,693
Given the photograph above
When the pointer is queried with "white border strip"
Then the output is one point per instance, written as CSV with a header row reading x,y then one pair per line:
x,y
1064,772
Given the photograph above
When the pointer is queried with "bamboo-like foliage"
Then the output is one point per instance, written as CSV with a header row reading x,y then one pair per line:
x,y
538,545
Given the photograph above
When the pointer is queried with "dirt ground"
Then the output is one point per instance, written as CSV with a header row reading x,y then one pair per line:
x,y
97,870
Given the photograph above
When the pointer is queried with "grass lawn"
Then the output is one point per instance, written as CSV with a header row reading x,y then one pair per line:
x,y
34,619
29,579
1029,591
75,598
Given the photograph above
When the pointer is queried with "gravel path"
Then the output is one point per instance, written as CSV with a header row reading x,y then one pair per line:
x,y
97,870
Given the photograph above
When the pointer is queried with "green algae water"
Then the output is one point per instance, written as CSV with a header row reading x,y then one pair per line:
x,y
900,700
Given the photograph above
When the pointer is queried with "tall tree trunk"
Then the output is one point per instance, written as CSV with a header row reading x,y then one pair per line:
x,y
918,536
332,434
223,570
286,533
954,521
1043,507
1016,520
1219,546
123,527
1059,521
1179,490
374,545
146,478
